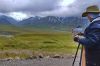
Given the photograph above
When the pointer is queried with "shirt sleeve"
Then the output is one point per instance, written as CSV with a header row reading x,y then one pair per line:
x,y
93,38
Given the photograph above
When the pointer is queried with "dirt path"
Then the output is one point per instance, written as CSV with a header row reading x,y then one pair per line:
x,y
66,61
39,62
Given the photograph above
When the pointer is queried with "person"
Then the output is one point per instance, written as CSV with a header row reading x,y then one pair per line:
x,y
91,37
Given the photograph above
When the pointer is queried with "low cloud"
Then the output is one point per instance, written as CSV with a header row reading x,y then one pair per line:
x,y
74,9
27,5
46,7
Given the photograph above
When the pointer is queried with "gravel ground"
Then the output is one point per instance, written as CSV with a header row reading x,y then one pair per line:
x,y
66,61
39,62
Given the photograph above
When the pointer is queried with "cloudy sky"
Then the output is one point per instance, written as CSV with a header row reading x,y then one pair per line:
x,y
21,9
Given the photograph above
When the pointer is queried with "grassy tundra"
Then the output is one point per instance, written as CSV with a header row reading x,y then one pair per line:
x,y
24,44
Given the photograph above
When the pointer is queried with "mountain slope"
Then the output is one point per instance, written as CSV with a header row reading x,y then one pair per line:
x,y
7,20
42,23
51,22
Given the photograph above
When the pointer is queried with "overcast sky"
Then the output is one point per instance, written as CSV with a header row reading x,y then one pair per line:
x,y
21,9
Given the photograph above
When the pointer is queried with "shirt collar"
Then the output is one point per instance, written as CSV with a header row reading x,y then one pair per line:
x,y
96,19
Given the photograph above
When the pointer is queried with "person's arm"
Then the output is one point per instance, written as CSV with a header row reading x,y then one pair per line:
x,y
92,38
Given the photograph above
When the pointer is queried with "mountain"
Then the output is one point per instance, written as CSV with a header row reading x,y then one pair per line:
x,y
48,22
51,22
7,20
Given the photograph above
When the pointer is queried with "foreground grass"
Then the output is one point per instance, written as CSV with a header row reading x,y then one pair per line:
x,y
49,43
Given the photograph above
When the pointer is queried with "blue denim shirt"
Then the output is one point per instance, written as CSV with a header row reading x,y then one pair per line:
x,y
91,34
91,42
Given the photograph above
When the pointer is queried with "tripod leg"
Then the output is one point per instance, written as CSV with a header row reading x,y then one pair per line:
x,y
76,54
80,63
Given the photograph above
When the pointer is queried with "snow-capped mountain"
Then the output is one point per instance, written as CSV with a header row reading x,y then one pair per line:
x,y
43,22
51,21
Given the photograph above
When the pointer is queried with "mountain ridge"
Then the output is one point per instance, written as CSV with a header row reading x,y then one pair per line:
x,y
48,22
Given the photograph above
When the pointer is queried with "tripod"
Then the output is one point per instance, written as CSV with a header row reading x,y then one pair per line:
x,y
80,63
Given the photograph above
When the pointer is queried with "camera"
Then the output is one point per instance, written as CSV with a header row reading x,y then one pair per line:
x,y
78,31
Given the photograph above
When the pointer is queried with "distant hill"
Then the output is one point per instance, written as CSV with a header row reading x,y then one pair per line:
x,y
7,20
48,22
51,22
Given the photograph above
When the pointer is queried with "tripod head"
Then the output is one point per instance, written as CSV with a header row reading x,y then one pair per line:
x,y
78,31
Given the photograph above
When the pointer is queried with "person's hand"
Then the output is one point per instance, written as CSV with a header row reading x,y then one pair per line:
x,y
81,34
76,38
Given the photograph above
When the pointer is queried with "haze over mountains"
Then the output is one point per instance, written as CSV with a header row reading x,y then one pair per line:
x,y
48,22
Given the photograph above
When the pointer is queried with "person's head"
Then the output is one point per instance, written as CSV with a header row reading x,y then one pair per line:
x,y
92,16
91,13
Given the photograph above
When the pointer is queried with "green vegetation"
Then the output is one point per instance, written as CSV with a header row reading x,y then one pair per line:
x,y
35,43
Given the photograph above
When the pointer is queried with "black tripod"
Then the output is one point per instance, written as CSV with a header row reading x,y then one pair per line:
x,y
76,55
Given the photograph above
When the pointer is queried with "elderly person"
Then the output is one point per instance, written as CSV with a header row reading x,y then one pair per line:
x,y
91,38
